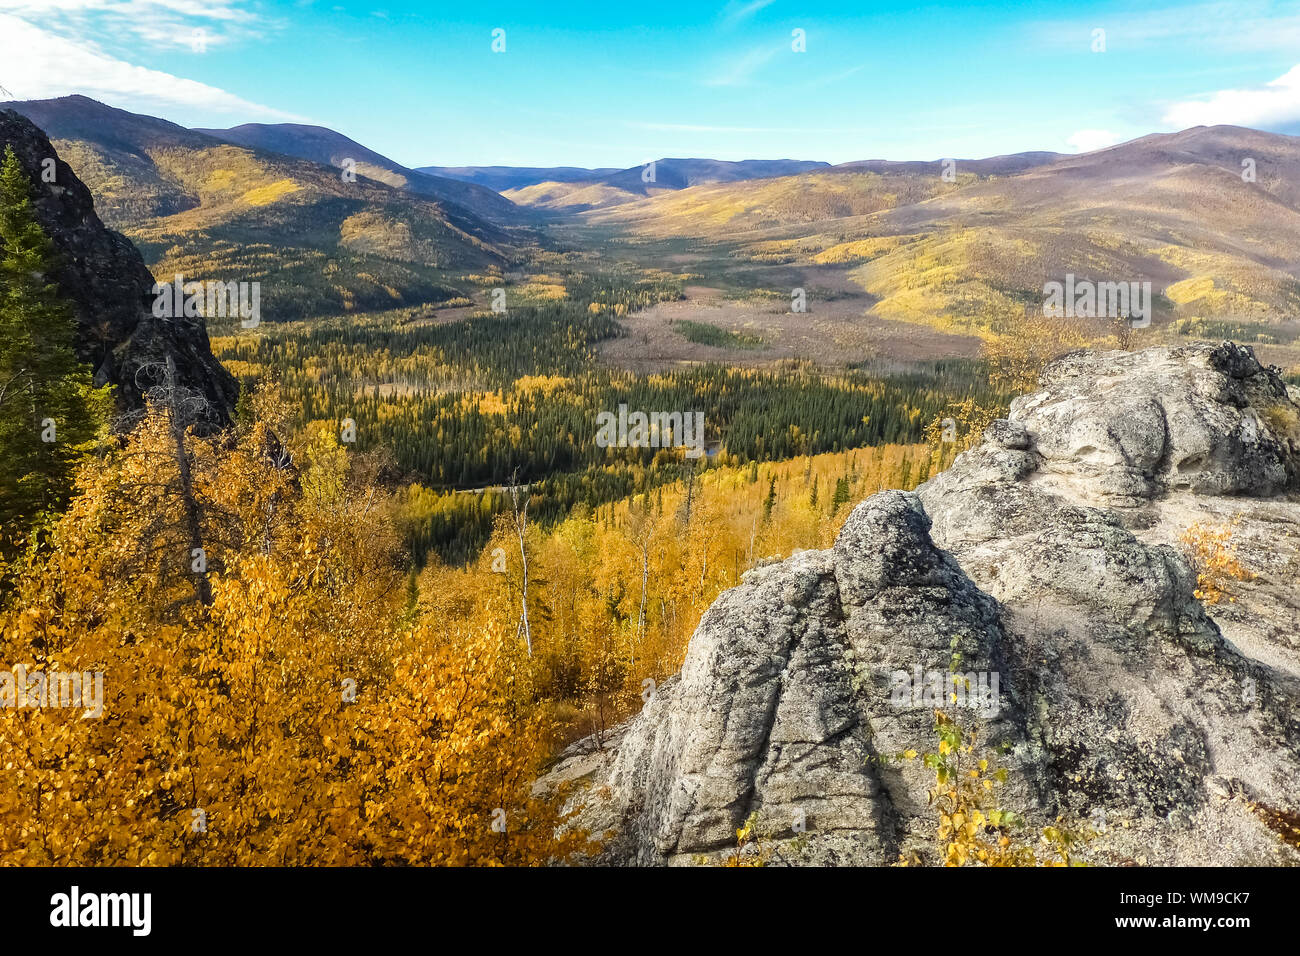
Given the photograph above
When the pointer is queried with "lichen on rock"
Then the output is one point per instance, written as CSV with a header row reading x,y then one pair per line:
x,y
1046,556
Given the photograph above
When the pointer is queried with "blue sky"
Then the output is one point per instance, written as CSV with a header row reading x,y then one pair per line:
x,y
617,84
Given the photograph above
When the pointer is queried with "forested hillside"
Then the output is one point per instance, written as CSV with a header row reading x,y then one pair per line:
x,y
319,239
272,661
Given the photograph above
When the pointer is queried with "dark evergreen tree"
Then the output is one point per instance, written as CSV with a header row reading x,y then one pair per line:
x,y
841,495
50,411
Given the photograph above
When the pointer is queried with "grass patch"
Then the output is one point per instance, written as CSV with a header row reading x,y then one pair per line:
x,y
702,333
265,195
1251,332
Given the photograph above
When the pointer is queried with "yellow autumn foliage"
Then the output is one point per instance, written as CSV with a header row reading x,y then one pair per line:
x,y
1213,555
298,715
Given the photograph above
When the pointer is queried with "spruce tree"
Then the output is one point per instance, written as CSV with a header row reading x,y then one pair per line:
x,y
841,495
770,501
244,414
50,411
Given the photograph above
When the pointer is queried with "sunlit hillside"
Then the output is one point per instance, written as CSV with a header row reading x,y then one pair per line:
x,y
570,197
723,210
1172,209
329,148
568,194
318,242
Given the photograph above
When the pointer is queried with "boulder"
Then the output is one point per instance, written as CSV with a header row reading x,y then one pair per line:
x,y
1045,566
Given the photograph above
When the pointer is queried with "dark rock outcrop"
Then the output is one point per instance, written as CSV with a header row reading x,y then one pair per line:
x,y
1046,558
105,278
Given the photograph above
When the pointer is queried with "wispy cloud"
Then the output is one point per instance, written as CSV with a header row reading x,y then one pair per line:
x,y
739,70
1223,26
35,63
1274,105
156,23
735,13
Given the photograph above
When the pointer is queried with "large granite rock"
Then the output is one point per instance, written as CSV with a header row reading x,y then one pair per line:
x,y
1045,557
105,278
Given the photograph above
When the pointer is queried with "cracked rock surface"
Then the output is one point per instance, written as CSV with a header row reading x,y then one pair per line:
x,y
1047,558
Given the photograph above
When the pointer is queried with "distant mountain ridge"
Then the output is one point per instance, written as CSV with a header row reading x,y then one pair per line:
x,y
650,179
330,148
319,244
1209,215
1182,210
1006,165
572,189
668,173
682,173
501,178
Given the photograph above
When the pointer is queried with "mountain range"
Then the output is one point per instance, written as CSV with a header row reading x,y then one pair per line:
x,y
567,189
196,204
325,146
502,178
651,179
1210,216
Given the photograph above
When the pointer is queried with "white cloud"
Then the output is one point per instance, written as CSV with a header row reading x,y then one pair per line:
x,y
157,23
1274,104
1087,140
36,64
1229,25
